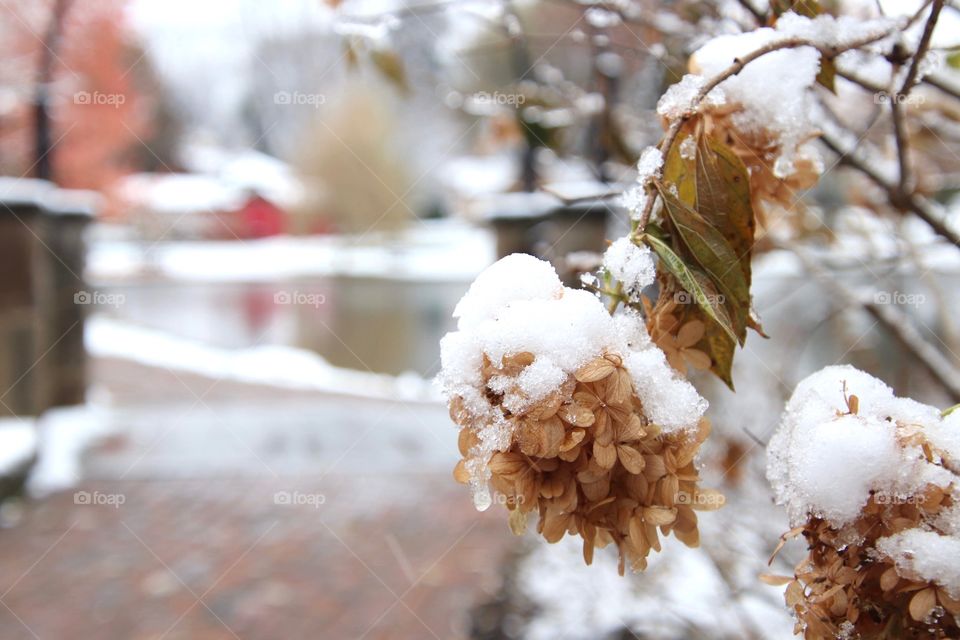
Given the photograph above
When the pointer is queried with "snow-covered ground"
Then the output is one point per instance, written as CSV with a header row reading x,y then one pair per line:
x,y
18,443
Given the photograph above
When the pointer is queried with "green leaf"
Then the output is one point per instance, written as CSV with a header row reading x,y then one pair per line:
x,y
720,347
391,66
681,172
827,76
714,254
723,197
805,8
753,322
693,282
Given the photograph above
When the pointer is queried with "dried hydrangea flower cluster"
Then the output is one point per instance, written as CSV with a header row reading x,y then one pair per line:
x,y
572,414
872,483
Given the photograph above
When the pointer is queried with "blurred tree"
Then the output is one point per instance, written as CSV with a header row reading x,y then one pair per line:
x,y
72,111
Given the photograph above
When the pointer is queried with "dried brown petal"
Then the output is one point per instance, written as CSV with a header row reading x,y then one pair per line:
x,y
775,581
631,431
619,387
604,455
889,579
576,414
460,473
922,604
596,369
690,334
952,605
659,516
630,458
572,438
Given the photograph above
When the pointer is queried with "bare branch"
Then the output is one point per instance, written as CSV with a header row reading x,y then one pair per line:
x,y
892,319
922,48
900,138
942,86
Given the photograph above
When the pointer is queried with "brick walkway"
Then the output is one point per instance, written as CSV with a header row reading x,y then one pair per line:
x,y
374,550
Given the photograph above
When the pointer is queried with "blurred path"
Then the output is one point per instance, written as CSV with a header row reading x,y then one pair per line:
x,y
252,513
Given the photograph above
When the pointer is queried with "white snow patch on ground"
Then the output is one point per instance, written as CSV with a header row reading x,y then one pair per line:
x,y
278,366
18,443
65,434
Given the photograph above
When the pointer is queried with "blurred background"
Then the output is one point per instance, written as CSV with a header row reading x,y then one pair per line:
x,y
233,233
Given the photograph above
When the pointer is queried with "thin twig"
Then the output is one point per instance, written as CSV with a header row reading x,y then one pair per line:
x,y
898,100
910,203
900,139
757,14
922,48
891,318
942,86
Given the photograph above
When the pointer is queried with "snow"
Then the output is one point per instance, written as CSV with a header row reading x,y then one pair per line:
x,y
668,399
18,443
772,90
519,305
515,277
648,168
630,264
649,164
826,462
945,435
682,594
65,433
634,200
278,366
927,555
680,98
178,194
